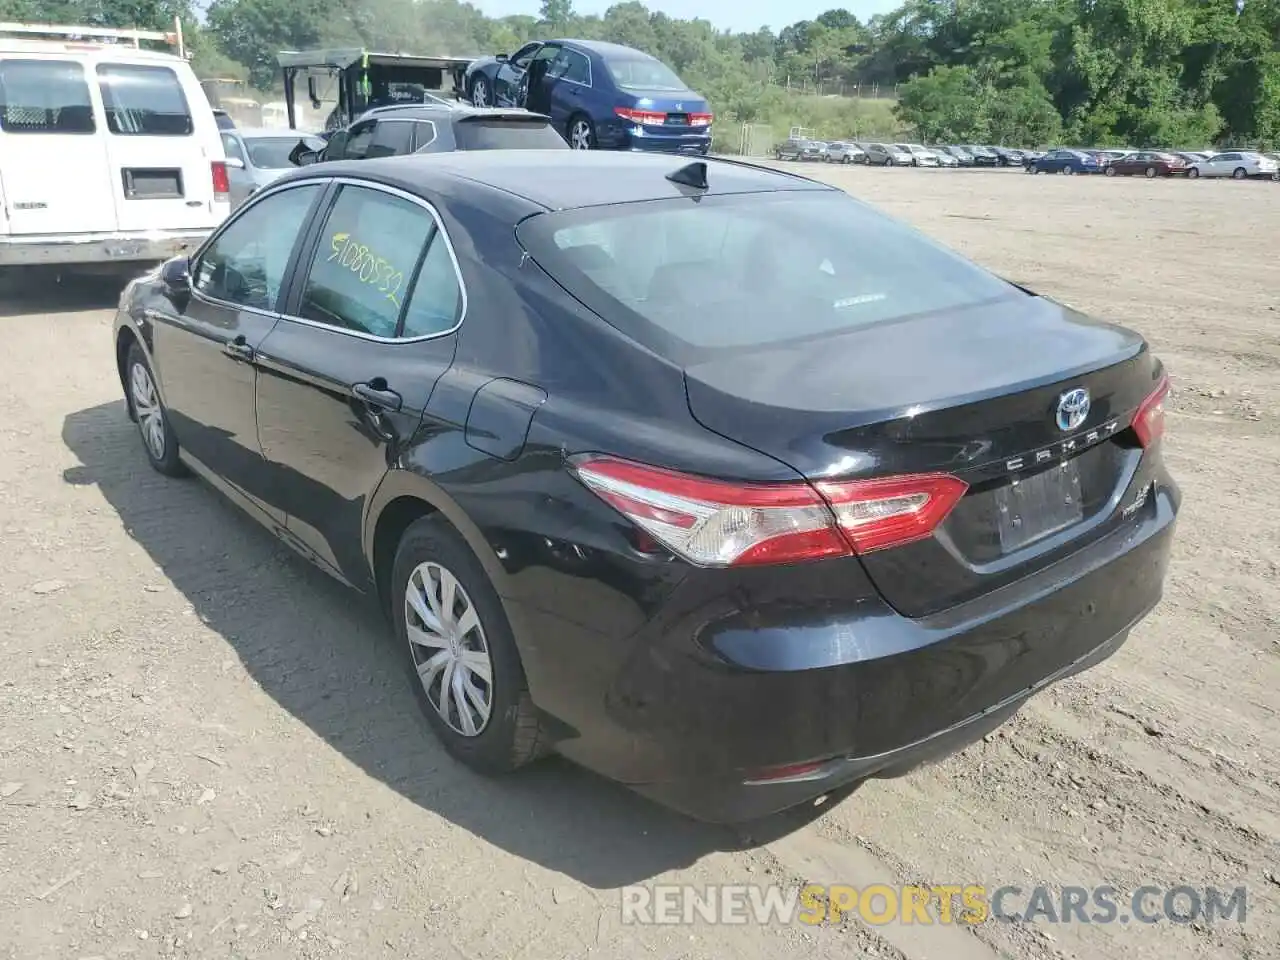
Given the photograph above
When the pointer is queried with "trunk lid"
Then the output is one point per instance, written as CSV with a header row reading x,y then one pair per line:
x,y
981,403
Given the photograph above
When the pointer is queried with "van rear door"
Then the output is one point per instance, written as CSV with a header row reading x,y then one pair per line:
x,y
53,157
159,159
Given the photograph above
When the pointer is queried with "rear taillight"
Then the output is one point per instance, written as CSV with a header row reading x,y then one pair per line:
x,y
701,119
221,182
640,116
715,523
1148,422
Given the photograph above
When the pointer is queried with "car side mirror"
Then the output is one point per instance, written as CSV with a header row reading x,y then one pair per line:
x,y
175,276
502,58
235,163
307,157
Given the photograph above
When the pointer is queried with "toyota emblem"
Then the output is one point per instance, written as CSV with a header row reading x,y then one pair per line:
x,y
1073,409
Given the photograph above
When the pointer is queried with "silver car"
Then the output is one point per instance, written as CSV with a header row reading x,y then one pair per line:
x,y
257,156
887,155
839,151
921,156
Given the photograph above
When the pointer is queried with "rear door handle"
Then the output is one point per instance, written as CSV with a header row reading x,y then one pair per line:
x,y
238,349
376,394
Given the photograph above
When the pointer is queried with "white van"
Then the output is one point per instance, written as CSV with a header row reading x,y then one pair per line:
x,y
109,153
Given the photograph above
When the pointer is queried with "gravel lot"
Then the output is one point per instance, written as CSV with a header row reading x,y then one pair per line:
x,y
206,748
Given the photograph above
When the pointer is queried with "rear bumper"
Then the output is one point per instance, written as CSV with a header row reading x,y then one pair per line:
x,y
794,666
621,136
100,248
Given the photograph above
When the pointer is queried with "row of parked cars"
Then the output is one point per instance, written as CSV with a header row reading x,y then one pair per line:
x,y
1238,164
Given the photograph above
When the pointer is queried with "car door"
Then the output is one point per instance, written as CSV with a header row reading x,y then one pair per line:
x,y
203,346
570,90
506,80
537,86
346,375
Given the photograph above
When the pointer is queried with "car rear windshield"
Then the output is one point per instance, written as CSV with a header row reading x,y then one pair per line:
x,y
144,101
272,153
691,277
642,73
507,134
44,96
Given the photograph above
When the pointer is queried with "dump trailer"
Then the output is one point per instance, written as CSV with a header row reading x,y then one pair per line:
x,y
367,79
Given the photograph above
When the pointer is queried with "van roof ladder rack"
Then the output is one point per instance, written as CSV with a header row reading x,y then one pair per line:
x,y
39,31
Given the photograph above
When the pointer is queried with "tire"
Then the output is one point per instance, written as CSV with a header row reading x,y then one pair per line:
x,y
481,95
1069,171
156,433
1149,173
888,161
1239,173
582,132
511,733
1110,171
1193,173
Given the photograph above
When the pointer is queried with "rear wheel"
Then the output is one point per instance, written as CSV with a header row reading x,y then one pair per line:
x,y
462,657
480,92
1239,173
1149,172
582,133
1068,170
1193,173
1111,171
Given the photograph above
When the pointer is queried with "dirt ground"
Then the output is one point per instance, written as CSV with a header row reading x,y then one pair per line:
x,y
208,749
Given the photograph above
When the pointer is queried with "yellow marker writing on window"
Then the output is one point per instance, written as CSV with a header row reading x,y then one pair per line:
x,y
365,263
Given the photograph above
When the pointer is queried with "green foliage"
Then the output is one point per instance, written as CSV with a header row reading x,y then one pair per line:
x,y
1131,72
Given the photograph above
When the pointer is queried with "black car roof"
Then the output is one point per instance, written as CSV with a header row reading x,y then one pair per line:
x,y
563,179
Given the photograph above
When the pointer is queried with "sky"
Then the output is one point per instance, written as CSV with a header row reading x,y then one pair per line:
x,y
737,15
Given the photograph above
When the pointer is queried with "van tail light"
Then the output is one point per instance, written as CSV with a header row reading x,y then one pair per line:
x,y
716,523
221,182
1148,421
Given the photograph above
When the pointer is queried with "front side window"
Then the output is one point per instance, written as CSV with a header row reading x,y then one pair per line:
x,y
44,96
357,143
364,265
245,263
144,101
693,277
391,138
522,56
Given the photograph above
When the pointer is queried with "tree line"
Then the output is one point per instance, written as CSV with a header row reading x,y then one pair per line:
x,y
1029,72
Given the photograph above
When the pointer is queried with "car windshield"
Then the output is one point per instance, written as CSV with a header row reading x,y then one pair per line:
x,y
642,73
507,134
690,278
272,153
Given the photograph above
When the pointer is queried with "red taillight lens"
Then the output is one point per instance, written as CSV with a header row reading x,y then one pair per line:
x,y
221,182
1148,422
701,119
716,523
640,116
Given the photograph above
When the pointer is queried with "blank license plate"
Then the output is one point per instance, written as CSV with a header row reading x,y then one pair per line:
x,y
1036,506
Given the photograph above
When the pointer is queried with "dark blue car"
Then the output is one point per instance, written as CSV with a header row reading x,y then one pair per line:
x,y
599,95
1066,161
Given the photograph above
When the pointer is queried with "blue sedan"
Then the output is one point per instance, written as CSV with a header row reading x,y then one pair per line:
x,y
599,95
1066,161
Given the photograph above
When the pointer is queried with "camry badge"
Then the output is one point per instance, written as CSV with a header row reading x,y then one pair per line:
x,y
1073,409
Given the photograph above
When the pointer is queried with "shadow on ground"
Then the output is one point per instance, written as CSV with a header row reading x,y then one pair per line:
x,y
25,291
328,660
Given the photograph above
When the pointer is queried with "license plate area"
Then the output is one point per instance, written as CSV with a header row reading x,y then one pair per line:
x,y
1033,507
164,183
677,119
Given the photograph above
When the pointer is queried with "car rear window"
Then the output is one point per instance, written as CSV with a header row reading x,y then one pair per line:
x,y
44,96
272,153
690,277
507,134
642,73
144,101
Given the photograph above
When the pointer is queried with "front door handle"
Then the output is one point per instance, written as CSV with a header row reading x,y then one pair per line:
x,y
238,349
376,394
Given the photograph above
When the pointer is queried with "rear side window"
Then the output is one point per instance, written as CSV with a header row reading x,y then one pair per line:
x,y
501,134
363,268
44,96
144,101
691,277
391,138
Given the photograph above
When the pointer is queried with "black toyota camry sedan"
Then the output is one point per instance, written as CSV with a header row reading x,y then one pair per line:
x,y
708,477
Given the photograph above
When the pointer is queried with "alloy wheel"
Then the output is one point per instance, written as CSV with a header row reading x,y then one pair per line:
x,y
580,135
146,405
480,93
449,648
